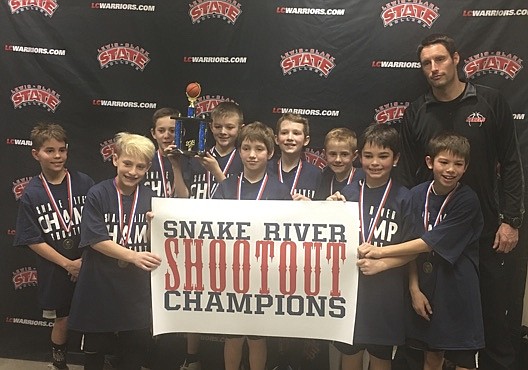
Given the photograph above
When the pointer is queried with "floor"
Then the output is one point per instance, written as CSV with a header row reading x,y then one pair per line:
x,y
10,364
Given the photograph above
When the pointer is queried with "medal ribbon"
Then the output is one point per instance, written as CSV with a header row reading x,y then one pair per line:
x,y
444,204
350,176
212,189
261,189
295,180
132,213
64,226
167,193
378,212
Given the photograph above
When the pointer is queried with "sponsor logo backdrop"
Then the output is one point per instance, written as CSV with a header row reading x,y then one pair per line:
x,y
102,67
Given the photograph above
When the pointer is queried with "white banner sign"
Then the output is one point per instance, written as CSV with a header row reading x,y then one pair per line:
x,y
269,268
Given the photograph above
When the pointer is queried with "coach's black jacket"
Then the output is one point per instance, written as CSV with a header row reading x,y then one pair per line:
x,y
483,116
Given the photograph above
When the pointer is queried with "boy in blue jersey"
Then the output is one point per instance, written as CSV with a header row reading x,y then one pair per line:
x,y
384,214
112,301
292,134
256,145
48,221
202,176
340,150
160,176
444,279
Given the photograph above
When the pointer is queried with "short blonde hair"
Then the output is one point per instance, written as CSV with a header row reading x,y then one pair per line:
x,y
342,134
226,109
134,145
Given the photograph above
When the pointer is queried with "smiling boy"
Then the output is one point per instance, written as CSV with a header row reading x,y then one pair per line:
x,y
384,214
111,305
57,194
292,134
444,280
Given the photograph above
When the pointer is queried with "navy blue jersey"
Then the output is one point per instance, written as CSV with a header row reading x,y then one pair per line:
x,y
160,177
112,297
381,305
201,184
37,222
273,189
308,179
452,287
329,184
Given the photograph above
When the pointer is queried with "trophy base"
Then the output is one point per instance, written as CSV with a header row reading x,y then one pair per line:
x,y
191,136
188,153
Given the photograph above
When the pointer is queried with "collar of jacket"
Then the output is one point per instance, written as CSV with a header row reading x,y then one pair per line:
x,y
469,92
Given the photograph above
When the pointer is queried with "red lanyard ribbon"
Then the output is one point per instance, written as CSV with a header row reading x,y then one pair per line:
x,y
297,175
444,204
131,215
378,212
261,189
212,189
350,176
65,226
167,191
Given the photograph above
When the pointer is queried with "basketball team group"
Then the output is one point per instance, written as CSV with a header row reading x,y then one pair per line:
x,y
437,286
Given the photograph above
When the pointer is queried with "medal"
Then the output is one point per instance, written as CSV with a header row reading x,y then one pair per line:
x,y
427,267
122,264
131,214
67,243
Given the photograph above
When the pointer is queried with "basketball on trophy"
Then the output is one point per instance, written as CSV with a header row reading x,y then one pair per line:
x,y
193,90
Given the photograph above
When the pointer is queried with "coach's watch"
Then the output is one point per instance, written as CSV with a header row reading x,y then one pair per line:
x,y
515,222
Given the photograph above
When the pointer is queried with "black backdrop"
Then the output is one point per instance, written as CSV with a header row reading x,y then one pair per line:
x,y
100,68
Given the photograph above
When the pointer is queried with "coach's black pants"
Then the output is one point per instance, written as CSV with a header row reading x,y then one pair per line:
x,y
496,272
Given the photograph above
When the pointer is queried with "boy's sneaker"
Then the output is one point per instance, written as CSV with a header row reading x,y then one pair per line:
x,y
59,359
191,366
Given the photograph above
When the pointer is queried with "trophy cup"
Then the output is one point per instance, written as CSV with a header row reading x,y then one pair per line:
x,y
190,134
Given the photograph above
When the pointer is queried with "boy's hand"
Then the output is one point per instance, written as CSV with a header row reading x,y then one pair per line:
x,y
367,250
298,196
210,164
336,196
149,215
371,266
73,268
173,155
146,260
421,304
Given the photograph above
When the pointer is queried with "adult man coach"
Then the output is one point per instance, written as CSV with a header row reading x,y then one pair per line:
x,y
485,118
